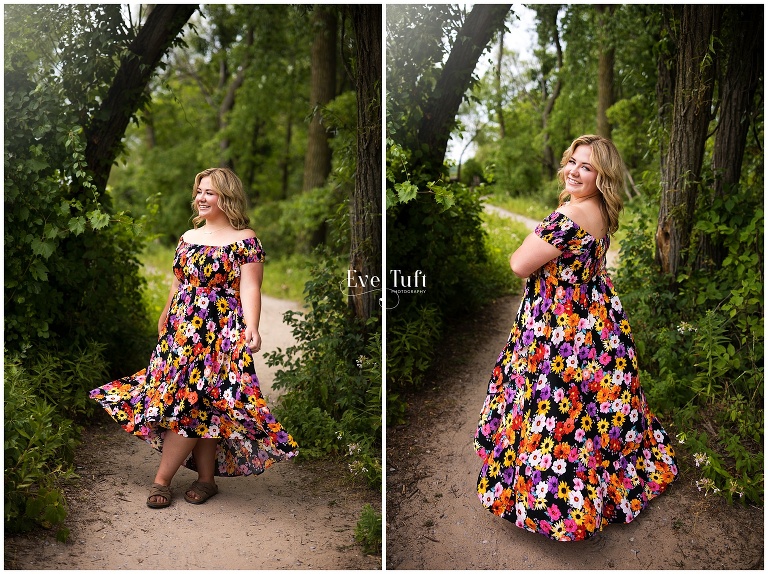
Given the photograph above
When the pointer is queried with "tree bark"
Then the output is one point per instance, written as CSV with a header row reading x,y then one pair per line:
x,y
605,63
317,161
499,99
743,62
228,101
548,30
690,121
665,79
443,104
365,204
127,92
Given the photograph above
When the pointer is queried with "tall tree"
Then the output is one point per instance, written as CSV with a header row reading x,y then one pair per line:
x,y
605,61
365,204
742,60
317,163
442,106
548,32
126,94
691,114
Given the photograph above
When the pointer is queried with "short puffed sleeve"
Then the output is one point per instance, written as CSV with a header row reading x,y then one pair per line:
x,y
560,231
250,251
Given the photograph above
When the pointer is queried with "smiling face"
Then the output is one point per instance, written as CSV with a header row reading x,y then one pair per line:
x,y
579,174
207,201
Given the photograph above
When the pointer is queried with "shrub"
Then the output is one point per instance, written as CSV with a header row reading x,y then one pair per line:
x,y
332,376
39,435
368,530
700,339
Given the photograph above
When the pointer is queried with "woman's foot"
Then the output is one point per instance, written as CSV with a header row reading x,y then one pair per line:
x,y
199,492
159,496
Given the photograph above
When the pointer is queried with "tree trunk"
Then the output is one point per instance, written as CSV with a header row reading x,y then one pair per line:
x,y
455,78
365,204
317,162
605,62
499,87
127,92
690,122
665,79
743,62
547,15
228,102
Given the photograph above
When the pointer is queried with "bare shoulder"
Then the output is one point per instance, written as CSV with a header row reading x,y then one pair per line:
x,y
245,234
586,215
191,235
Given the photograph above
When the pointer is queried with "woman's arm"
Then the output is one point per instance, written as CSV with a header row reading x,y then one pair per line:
x,y
531,255
251,276
164,315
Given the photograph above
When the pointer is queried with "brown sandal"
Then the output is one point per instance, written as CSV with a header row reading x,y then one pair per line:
x,y
159,490
204,490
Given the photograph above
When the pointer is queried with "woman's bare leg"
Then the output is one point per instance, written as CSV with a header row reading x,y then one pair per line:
x,y
205,460
176,449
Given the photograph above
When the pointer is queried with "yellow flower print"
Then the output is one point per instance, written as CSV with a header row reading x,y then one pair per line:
x,y
602,426
528,390
599,324
210,337
202,430
194,376
618,419
222,305
565,405
187,350
208,270
197,322
558,530
624,326
494,468
558,364
509,458
577,516
547,445
482,486
543,407
621,363
562,319
586,423
563,490
626,396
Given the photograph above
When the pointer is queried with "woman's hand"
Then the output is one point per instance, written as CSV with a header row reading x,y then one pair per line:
x,y
253,339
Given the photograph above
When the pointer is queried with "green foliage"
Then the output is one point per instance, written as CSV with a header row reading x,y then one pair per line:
x,y
368,530
43,396
332,376
71,274
700,339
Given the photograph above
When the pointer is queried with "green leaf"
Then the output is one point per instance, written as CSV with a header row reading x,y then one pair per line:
x,y
406,191
98,219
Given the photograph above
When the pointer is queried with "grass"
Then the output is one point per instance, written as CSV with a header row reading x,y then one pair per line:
x,y
534,206
504,236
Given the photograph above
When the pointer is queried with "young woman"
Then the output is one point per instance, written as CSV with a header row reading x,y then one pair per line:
x,y
199,402
566,437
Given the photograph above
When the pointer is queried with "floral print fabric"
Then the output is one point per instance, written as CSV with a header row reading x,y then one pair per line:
x,y
201,380
566,437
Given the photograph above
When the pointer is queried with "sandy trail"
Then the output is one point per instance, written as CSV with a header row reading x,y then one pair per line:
x,y
435,521
297,515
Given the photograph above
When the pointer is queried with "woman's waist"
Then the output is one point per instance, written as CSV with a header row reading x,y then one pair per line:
x,y
227,290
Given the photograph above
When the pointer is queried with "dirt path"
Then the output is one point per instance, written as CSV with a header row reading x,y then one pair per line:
x,y
435,521
297,515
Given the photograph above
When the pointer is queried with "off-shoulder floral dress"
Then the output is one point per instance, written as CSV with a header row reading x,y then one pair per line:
x,y
566,436
201,381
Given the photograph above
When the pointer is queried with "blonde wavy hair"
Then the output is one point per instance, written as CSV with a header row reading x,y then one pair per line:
x,y
231,196
606,160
